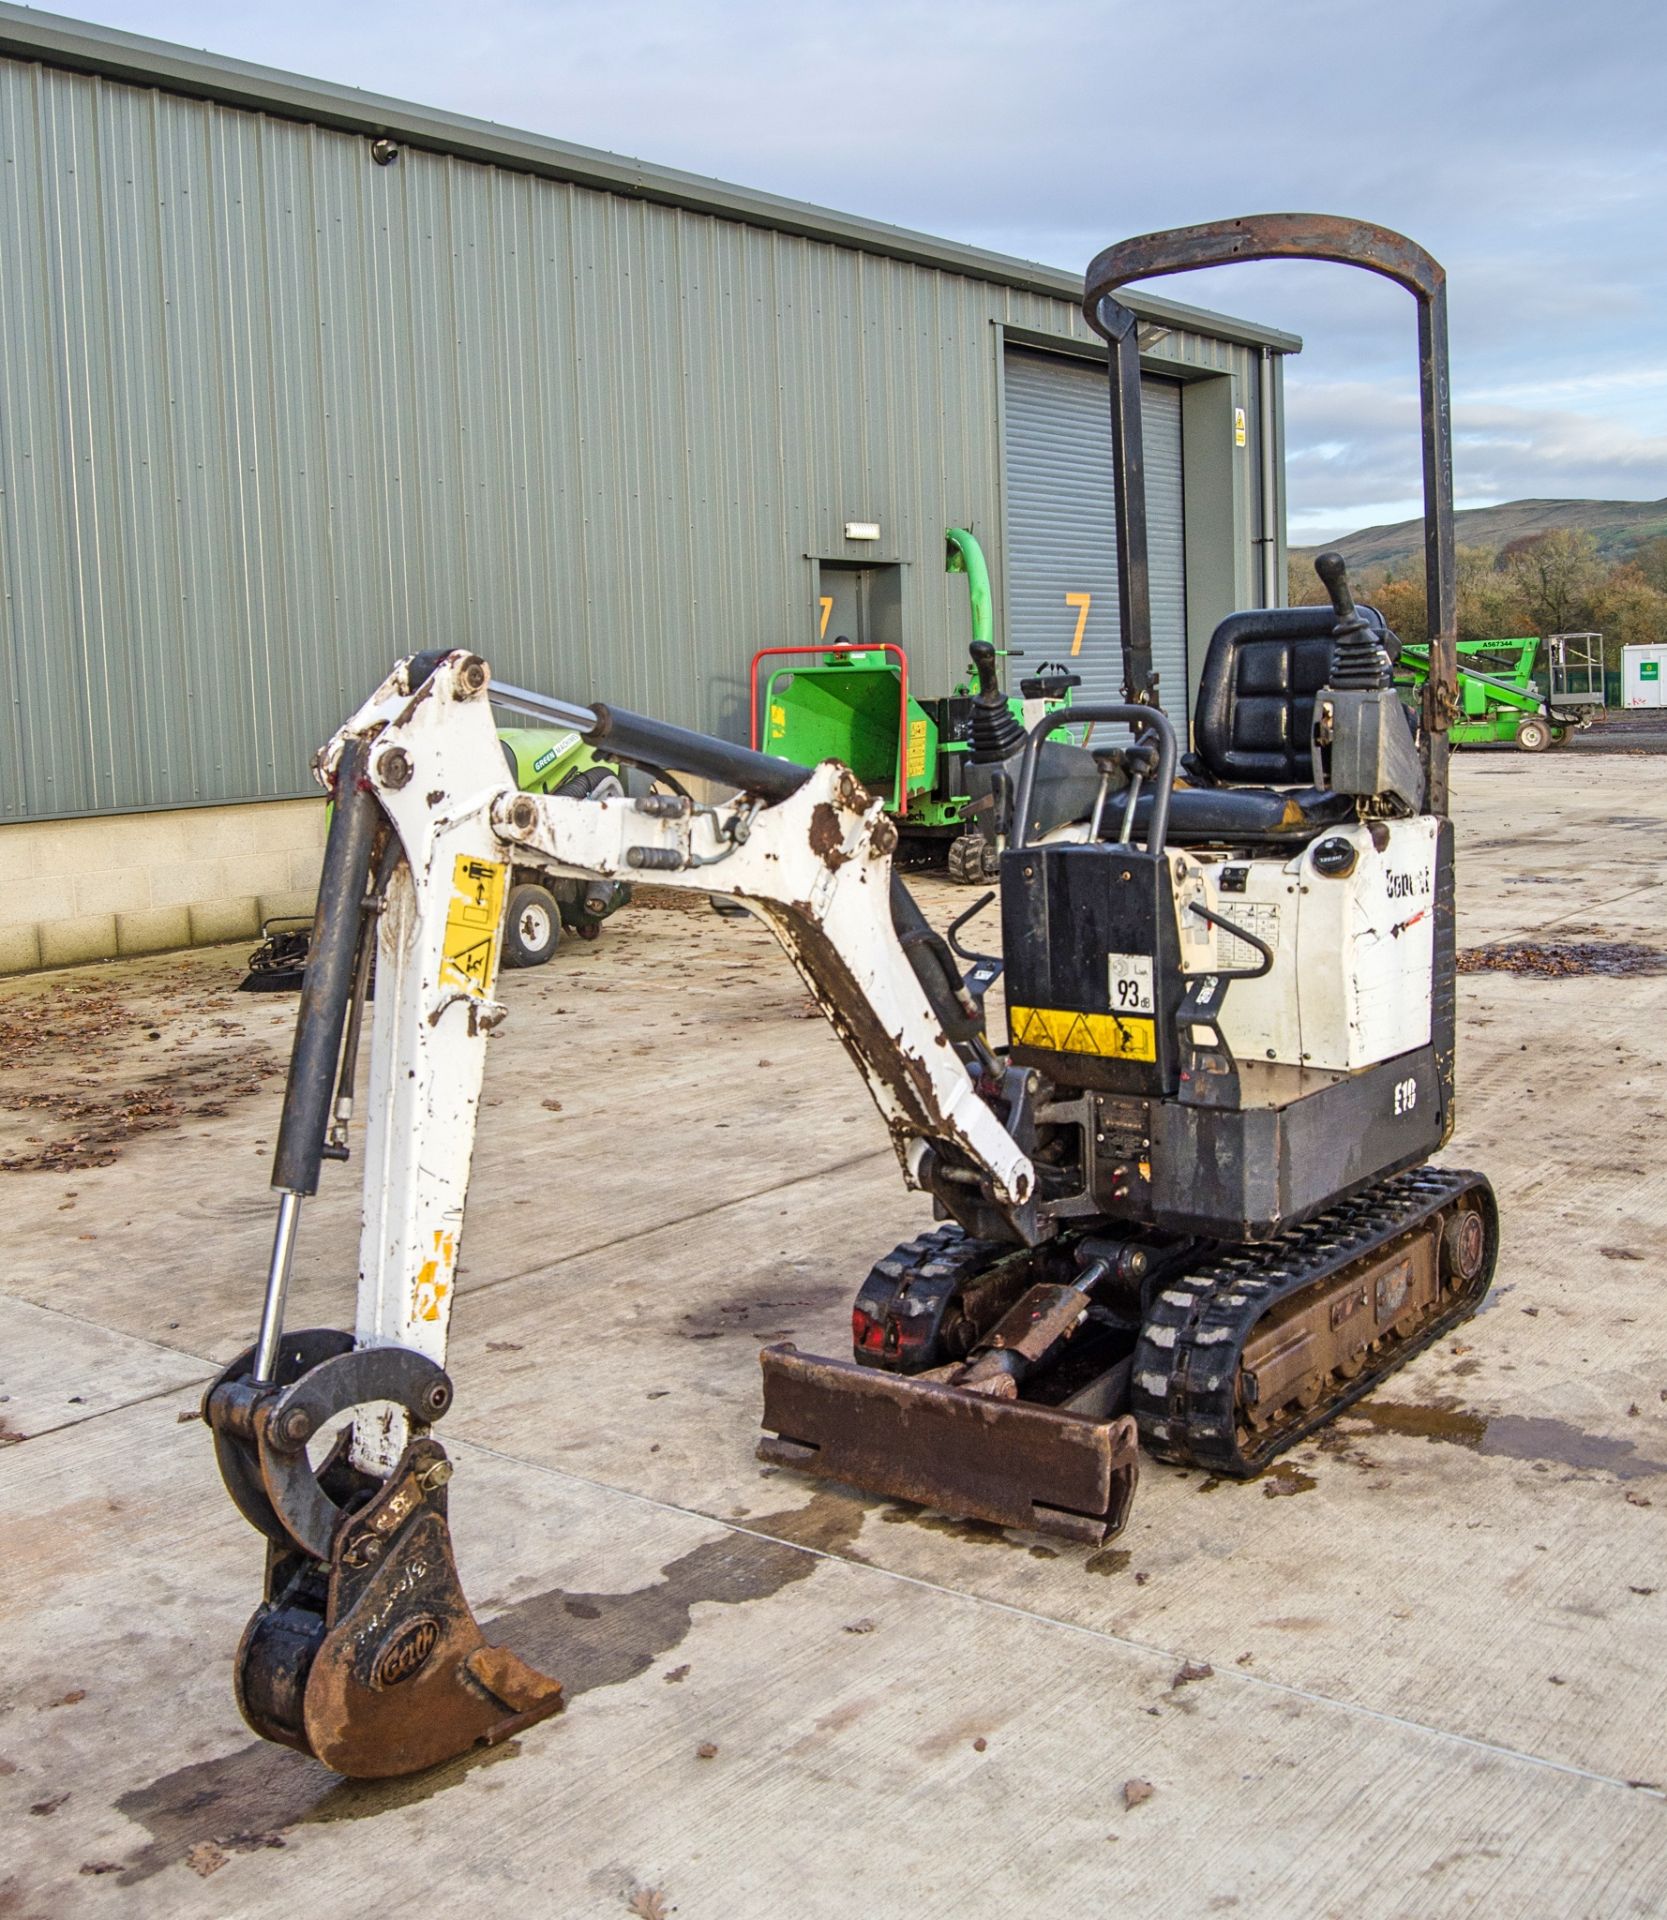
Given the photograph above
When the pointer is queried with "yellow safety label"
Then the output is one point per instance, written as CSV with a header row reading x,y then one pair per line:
x,y
1110,1036
778,720
474,921
916,763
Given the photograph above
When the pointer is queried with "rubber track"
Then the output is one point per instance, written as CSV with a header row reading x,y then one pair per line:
x,y
942,1258
1186,1366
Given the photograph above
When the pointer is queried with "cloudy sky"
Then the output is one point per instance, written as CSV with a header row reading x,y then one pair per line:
x,y
1524,142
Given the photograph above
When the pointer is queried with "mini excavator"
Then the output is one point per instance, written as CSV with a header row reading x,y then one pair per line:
x,y
1187,1205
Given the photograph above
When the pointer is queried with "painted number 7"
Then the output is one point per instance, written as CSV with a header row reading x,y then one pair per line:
x,y
1082,602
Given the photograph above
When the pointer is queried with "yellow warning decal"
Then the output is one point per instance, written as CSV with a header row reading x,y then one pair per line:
x,y
1109,1036
474,920
916,764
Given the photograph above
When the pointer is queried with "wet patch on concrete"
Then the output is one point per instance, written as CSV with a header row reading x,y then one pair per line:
x,y
1564,959
769,1314
980,1533
1284,1479
1510,1436
1108,1560
248,1799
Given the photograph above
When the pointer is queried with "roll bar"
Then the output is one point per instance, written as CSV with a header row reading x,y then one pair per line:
x,y
1284,236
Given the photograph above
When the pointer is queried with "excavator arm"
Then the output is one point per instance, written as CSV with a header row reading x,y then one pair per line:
x,y
363,1650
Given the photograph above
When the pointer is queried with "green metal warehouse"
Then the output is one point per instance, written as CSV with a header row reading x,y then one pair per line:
x,y
294,379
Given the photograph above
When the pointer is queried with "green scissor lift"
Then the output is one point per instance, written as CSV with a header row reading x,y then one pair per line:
x,y
1501,701
853,703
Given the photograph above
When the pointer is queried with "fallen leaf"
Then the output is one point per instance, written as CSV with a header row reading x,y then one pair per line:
x,y
676,1674
1188,1672
181,1419
1620,1253
1638,1500
100,1866
49,1806
707,1750
1135,1791
1644,1590
648,1903
864,1625
503,1346
551,1106
980,1744
71,1699
204,1858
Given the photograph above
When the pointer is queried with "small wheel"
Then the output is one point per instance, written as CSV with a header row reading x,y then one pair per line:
x,y
532,926
990,859
967,855
1533,736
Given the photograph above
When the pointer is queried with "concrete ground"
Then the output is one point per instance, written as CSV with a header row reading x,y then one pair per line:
x,y
1432,1647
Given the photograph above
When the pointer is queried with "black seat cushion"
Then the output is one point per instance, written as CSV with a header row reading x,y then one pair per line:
x,y
1202,815
1255,711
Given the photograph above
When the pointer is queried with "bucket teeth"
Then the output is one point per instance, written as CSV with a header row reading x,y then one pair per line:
x,y
1010,1462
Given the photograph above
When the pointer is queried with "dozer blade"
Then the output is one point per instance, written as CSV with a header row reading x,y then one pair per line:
x,y
1010,1462
374,1663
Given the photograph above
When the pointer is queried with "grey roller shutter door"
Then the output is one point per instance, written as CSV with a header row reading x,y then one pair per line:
x,y
1061,524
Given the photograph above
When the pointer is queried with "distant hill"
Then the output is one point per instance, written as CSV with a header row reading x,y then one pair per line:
x,y
1616,525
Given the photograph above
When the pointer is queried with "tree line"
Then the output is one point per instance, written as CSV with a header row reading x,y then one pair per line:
x,y
1543,583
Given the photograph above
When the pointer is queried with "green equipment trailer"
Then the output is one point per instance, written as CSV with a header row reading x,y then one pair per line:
x,y
853,703
1503,701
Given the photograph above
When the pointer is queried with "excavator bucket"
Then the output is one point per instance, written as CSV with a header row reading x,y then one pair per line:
x,y
391,1673
363,1651
1010,1462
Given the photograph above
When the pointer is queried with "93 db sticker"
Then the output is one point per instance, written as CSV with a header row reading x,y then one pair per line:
x,y
1131,982
469,957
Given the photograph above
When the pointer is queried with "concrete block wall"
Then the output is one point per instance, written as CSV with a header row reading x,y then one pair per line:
x,y
75,890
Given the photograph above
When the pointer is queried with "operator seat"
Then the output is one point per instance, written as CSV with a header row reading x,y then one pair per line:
x,y
1253,724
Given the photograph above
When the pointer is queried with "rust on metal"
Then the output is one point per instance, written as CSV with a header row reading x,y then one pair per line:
x,y
1328,1333
1047,1314
1266,236
1012,1463
827,836
394,1674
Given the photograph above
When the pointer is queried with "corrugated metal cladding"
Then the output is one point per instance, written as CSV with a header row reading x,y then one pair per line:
x,y
1062,524
272,415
